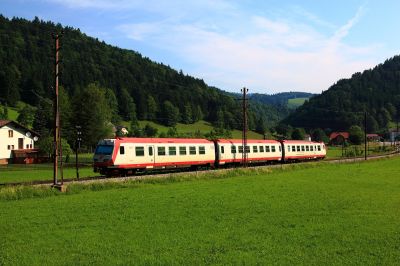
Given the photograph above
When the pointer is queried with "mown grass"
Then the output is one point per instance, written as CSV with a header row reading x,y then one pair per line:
x,y
13,173
330,214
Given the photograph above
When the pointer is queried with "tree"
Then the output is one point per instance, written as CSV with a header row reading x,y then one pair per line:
x,y
151,108
150,131
298,134
284,130
43,120
356,135
26,116
187,115
46,146
112,105
170,114
319,135
91,111
4,113
261,126
127,107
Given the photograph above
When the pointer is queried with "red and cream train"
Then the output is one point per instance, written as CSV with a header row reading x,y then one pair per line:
x,y
131,155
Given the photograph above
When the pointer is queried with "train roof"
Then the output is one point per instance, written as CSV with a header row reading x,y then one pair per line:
x,y
301,142
249,141
162,140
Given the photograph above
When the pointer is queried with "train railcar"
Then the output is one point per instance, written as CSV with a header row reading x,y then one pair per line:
x,y
258,151
129,155
299,150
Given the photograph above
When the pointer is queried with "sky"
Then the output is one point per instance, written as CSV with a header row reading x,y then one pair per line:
x,y
266,46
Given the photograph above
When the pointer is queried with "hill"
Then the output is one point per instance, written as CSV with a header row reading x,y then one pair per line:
x,y
375,91
126,85
280,99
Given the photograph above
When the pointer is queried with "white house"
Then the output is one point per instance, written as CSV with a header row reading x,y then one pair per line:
x,y
15,139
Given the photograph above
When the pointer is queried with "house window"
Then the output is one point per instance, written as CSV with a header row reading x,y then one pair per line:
x,y
12,147
27,146
139,151
202,150
10,133
8,147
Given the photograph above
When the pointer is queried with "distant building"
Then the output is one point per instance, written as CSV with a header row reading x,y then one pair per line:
x,y
17,143
393,135
373,137
338,138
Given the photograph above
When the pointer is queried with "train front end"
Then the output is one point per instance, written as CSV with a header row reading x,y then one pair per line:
x,y
103,156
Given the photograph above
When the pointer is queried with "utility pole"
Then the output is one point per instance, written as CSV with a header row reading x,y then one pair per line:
x,y
244,132
365,135
77,146
57,134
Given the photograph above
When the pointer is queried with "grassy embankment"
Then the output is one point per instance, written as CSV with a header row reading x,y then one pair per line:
x,y
330,214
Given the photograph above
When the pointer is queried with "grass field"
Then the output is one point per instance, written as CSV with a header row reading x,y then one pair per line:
x,y
202,126
296,102
330,214
12,112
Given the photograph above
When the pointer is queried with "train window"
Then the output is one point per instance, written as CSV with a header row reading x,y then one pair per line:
x,y
255,149
267,148
293,148
298,147
151,151
192,150
307,148
311,148
233,149
302,148
121,150
161,151
139,151
202,150
171,150
273,148
182,150
280,148
240,149
222,149
319,147
261,148
288,148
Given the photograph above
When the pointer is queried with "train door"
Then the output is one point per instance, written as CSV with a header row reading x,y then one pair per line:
x,y
152,155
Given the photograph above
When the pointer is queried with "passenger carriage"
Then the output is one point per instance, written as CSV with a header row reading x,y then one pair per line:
x,y
298,150
129,155
230,151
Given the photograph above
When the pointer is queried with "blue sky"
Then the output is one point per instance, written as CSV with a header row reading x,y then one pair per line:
x,y
267,46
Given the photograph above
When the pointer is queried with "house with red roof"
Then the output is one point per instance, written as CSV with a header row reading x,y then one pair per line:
x,y
338,138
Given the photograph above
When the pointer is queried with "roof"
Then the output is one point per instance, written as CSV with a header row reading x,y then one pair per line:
x,y
336,134
162,140
4,122
289,142
17,125
249,141
373,136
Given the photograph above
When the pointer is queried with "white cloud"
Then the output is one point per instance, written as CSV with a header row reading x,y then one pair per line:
x,y
264,54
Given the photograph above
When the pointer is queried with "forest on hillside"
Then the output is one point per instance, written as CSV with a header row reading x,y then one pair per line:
x,y
375,91
109,83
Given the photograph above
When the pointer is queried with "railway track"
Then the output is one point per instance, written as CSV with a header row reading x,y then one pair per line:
x,y
166,174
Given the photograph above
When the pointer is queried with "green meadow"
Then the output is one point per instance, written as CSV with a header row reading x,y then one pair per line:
x,y
308,214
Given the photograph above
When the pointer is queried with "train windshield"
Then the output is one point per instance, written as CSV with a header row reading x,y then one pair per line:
x,y
104,149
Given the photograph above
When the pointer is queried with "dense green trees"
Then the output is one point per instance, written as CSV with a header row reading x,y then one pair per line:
x,y
375,91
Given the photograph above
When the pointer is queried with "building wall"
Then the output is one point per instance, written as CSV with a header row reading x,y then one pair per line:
x,y
6,141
